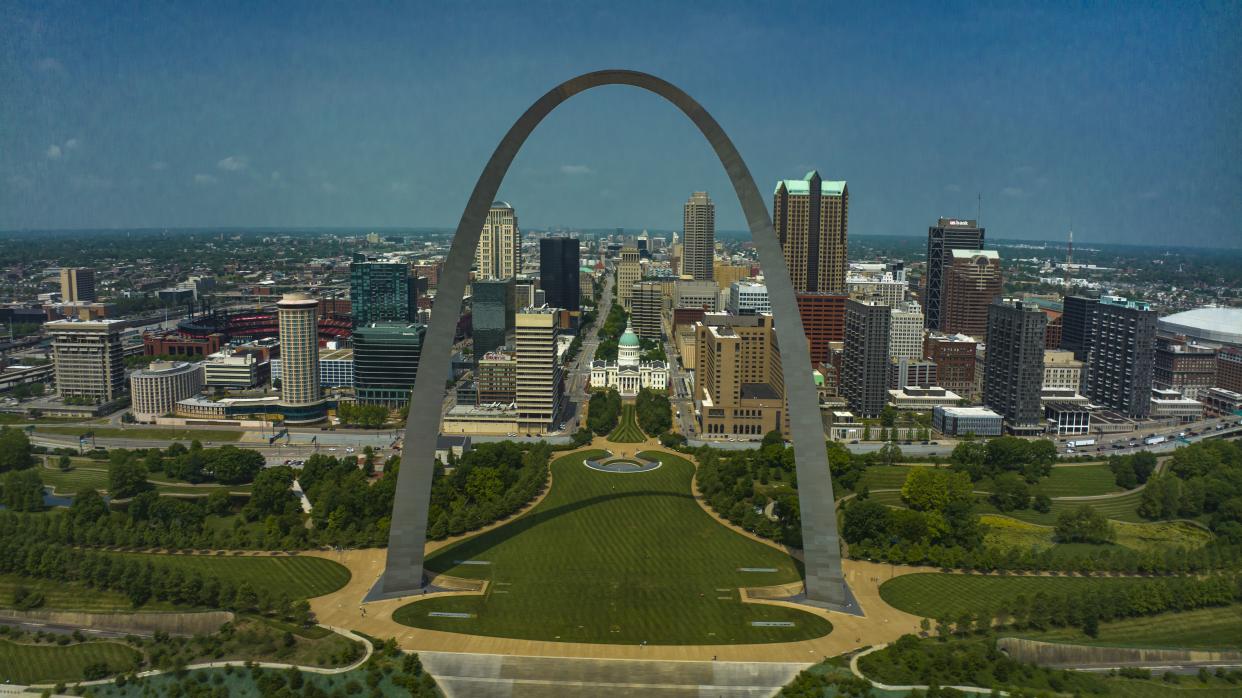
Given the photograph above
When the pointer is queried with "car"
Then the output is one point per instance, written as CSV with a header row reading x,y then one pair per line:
x,y
332,449
924,443
854,441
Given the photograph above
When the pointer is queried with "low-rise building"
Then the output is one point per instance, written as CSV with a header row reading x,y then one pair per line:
x,y
959,421
913,398
1221,402
1067,418
156,389
1171,404
230,370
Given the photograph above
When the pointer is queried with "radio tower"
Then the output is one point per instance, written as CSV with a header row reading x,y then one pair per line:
x,y
1069,260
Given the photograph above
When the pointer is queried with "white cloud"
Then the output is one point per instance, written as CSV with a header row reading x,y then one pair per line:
x,y
71,144
953,187
159,165
234,163
574,170
20,181
54,152
1016,192
201,178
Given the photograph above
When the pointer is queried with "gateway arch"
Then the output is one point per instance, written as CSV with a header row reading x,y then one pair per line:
x,y
403,571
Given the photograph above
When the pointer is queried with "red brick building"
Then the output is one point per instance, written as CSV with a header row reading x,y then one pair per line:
x,y
823,321
955,361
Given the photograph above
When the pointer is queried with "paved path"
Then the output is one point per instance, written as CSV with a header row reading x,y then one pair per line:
x,y
241,663
886,687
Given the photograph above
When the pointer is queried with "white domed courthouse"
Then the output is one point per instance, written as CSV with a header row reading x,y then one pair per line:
x,y
628,374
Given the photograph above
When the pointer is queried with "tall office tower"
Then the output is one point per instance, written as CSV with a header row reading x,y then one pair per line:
x,y
646,309
972,280
1076,323
500,246
739,389
558,272
811,217
77,284
1121,342
1014,367
947,235
381,291
88,359
492,307
386,356
540,384
748,298
864,371
629,272
823,321
699,245
955,361
905,335
299,351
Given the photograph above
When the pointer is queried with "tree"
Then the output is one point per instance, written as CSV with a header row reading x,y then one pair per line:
x,y
23,490
933,489
1083,525
865,520
271,494
15,451
64,463
1009,492
127,477
1042,503
889,453
654,412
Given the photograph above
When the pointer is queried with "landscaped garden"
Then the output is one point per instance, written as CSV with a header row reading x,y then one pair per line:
x,y
616,558
628,431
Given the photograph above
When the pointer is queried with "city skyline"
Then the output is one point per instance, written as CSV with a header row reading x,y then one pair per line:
x,y
242,141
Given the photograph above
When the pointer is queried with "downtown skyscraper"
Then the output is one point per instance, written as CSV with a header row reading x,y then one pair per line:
x,y
499,255
811,217
1014,366
699,243
558,272
381,291
947,235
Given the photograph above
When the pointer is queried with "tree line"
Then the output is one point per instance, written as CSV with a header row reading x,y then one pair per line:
x,y
490,482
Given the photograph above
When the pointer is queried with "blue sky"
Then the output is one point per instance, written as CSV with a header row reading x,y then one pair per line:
x,y
1122,119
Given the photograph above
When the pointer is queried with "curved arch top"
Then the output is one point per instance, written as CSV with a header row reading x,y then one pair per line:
x,y
403,571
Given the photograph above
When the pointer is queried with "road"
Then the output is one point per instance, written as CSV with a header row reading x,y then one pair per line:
x,y
578,378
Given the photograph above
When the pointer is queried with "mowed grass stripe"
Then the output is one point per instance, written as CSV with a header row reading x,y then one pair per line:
x,y
933,595
300,575
1201,629
1077,481
23,664
615,558
146,433
627,431
76,480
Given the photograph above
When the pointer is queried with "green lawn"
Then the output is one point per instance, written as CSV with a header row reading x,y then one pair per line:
x,y
1188,687
22,663
69,596
934,594
627,431
1077,481
885,477
147,433
1120,508
299,575
616,558
1201,629
91,474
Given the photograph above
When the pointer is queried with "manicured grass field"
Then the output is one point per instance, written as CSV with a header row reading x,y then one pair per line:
x,y
68,596
627,431
22,663
1201,629
933,595
1120,508
1189,687
1077,481
616,558
885,477
300,575
79,479
149,433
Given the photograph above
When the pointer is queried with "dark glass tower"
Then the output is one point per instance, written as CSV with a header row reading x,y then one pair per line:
x,y
558,272
491,314
1076,323
864,373
381,291
1121,346
386,356
947,235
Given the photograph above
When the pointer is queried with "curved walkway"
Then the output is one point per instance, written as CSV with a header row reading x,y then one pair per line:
x,y
370,649
886,687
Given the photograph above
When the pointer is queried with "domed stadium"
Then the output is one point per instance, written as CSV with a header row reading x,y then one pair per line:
x,y
1210,324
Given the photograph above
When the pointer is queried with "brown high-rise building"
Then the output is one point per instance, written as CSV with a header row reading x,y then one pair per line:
x,y
823,320
647,309
954,355
699,243
739,387
1229,369
947,235
1184,366
629,272
77,284
811,217
972,282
